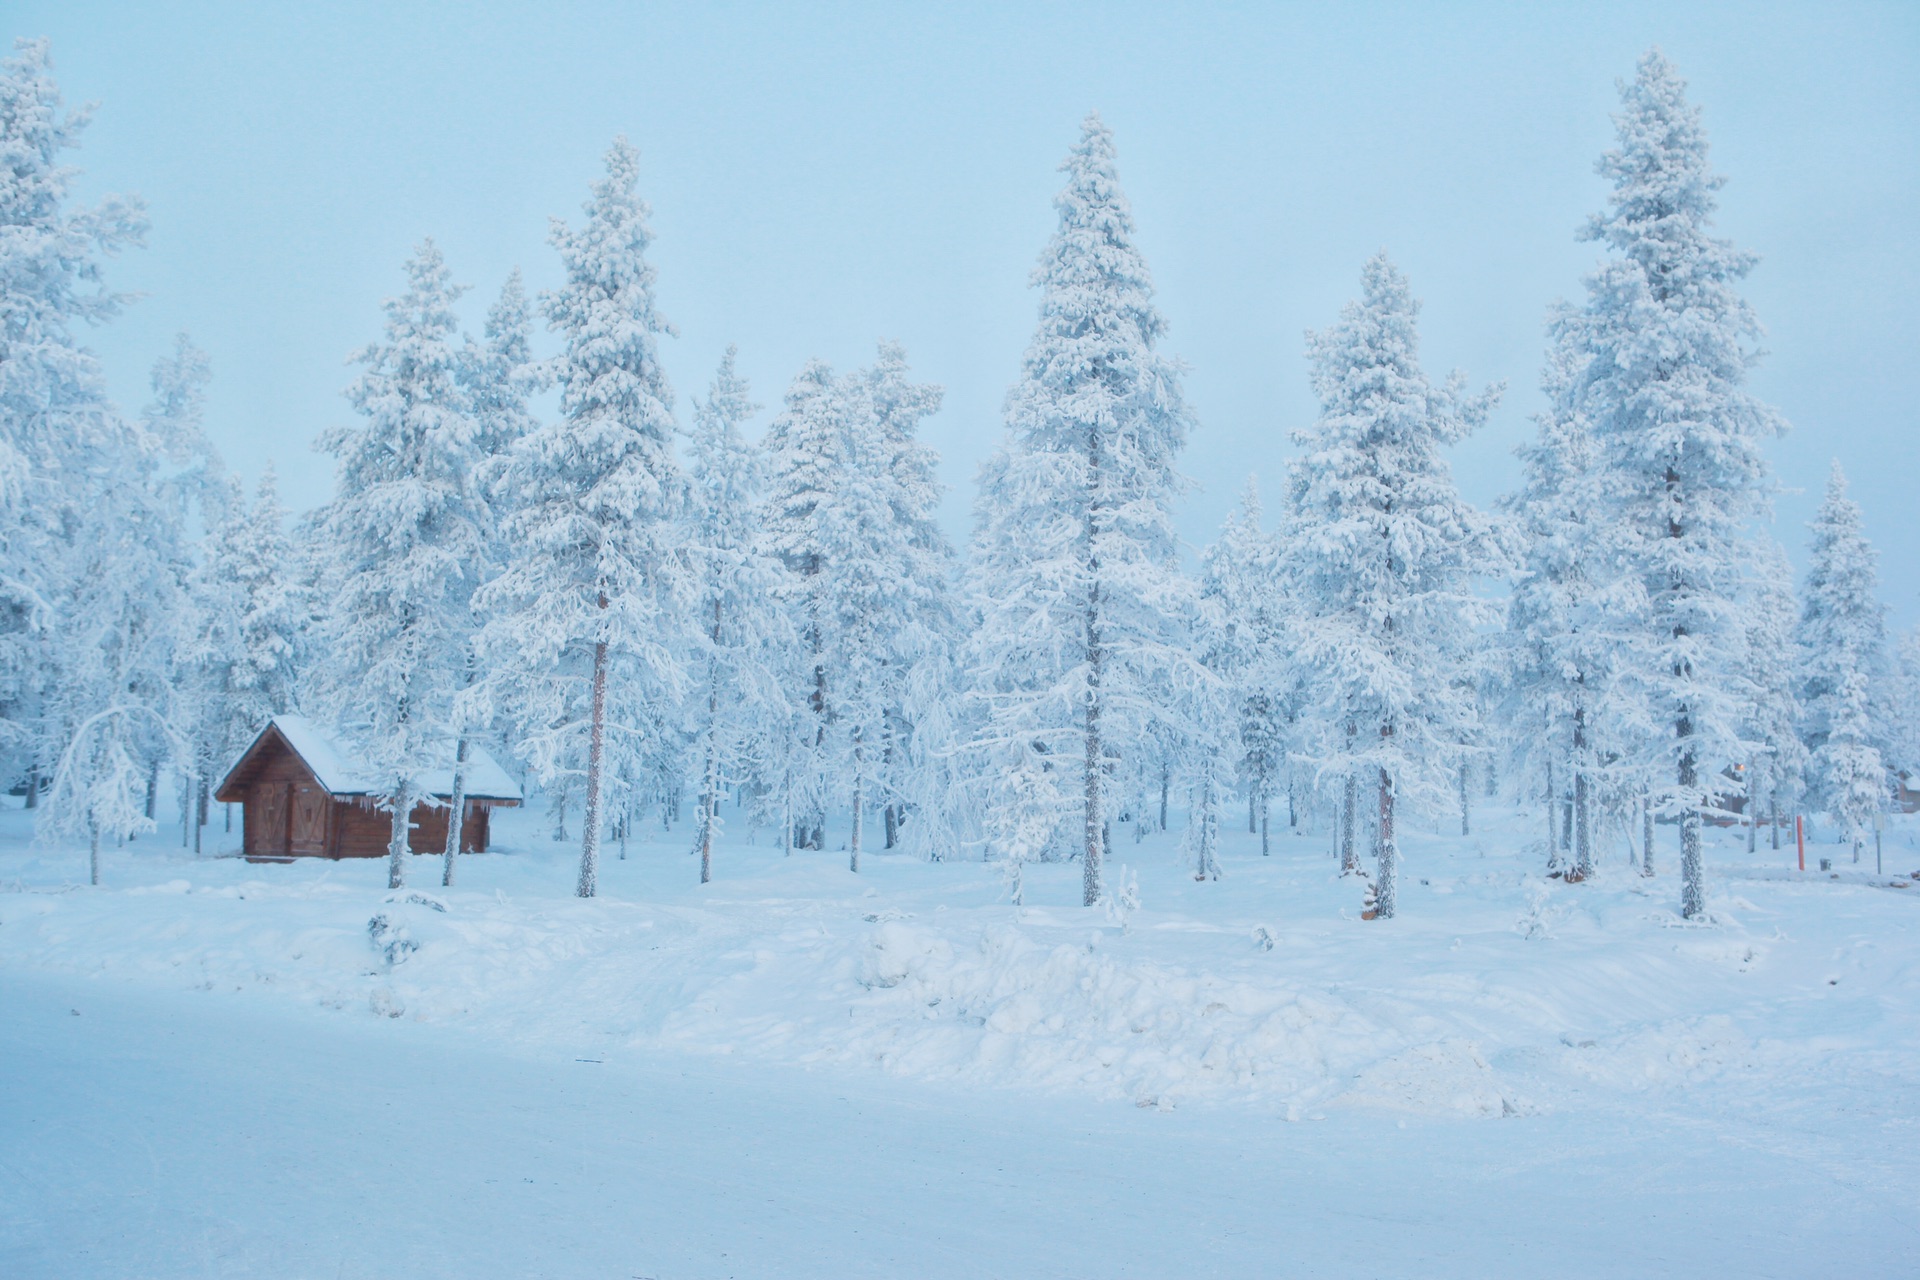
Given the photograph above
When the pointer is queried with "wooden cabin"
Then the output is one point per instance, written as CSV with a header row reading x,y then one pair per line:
x,y
302,795
1906,793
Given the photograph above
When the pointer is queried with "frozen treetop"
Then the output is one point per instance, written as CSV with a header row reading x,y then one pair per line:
x,y
342,773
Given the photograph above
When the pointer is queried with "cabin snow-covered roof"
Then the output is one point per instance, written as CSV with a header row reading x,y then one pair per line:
x,y
343,774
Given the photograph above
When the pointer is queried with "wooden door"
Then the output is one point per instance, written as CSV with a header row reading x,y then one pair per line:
x,y
269,833
310,805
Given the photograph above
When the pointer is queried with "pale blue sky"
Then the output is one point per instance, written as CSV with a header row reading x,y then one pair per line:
x,y
824,176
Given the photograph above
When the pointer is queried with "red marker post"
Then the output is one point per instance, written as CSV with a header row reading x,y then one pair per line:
x,y
1800,838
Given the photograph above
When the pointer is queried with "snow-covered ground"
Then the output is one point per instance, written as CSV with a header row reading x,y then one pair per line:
x,y
213,1068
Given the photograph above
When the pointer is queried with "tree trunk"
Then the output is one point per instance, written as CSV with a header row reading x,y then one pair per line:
x,y
1646,834
859,804
1349,857
457,813
1466,789
889,816
186,812
33,787
1253,809
1166,780
1753,809
153,787
596,754
563,795
1553,823
199,812
1091,885
93,852
1582,827
397,843
1386,881
1776,819
710,774
786,813
1205,823
1693,885
1266,844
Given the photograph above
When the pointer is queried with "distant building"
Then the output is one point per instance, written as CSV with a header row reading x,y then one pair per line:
x,y
1906,795
303,795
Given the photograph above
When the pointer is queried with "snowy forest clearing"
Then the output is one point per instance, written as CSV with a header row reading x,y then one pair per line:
x,y
1542,1043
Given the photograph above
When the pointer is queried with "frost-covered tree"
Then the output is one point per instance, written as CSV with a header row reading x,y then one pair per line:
x,y
805,447
920,627
589,616
1842,643
120,708
860,589
407,536
238,654
1381,553
1777,761
193,477
1665,340
851,518
1565,711
1240,578
743,711
1903,699
57,428
496,374
1081,648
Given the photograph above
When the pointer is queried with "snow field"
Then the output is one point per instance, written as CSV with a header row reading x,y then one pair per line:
x,y
1497,993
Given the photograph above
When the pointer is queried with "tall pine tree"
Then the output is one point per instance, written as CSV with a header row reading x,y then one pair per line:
x,y
587,626
742,629
1382,552
407,537
1842,641
1664,338
1081,647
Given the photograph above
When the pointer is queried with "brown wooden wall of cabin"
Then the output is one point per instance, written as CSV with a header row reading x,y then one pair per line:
x,y
295,817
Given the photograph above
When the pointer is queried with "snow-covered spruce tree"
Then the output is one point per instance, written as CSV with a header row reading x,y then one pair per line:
x,y
121,708
407,536
193,476
860,588
1213,723
850,516
1777,759
1240,578
743,631
237,660
495,375
194,484
1664,335
1842,643
1568,718
588,620
56,427
1382,553
1903,699
804,447
1074,568
920,626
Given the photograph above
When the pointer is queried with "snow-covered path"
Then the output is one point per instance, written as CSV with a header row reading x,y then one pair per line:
x,y
184,1134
